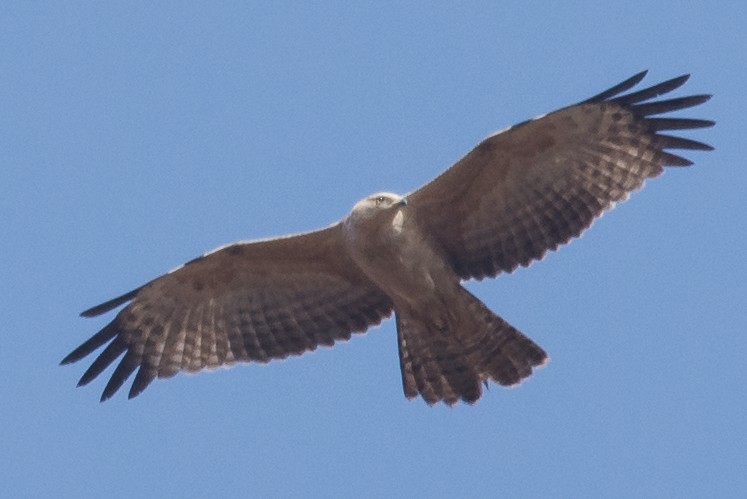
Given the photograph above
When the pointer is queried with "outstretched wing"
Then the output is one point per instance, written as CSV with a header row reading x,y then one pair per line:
x,y
252,301
532,187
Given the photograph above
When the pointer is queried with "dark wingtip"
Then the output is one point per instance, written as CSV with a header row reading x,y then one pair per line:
x,y
632,81
673,142
143,378
619,88
651,92
653,108
94,342
678,123
701,98
669,159
673,83
123,371
111,304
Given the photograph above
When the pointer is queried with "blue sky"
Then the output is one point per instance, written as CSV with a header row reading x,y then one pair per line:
x,y
136,136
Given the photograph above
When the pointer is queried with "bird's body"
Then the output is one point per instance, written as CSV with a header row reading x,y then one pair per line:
x,y
444,332
518,194
384,240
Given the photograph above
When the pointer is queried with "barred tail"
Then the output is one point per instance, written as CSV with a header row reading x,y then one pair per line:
x,y
441,360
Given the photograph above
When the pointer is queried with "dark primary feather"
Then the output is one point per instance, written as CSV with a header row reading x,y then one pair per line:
x,y
535,186
111,304
619,88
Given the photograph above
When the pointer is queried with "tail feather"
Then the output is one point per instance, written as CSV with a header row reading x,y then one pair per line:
x,y
441,360
432,367
504,353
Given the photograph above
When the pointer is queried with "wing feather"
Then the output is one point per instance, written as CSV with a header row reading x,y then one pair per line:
x,y
252,301
535,186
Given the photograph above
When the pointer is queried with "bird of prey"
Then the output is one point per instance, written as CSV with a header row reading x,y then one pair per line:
x,y
516,195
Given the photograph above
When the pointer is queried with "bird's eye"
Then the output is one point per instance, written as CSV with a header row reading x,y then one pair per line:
x,y
379,200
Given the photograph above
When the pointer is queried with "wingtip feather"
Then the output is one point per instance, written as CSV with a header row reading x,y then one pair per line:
x,y
111,304
620,87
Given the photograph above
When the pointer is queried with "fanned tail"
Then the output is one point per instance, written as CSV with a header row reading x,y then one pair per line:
x,y
441,360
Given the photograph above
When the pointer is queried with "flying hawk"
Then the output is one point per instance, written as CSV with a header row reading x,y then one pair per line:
x,y
519,193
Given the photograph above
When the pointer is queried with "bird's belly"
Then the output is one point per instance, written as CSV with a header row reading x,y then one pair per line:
x,y
407,269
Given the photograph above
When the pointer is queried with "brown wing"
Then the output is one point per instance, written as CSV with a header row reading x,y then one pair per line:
x,y
535,186
252,301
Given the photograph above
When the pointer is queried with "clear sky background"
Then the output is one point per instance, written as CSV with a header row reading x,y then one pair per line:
x,y
139,135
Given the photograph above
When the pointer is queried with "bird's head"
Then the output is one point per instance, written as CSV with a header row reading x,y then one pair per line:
x,y
377,204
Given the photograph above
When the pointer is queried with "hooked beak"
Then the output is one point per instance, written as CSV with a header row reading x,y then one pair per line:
x,y
402,202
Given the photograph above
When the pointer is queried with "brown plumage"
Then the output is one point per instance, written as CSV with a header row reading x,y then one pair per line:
x,y
518,194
